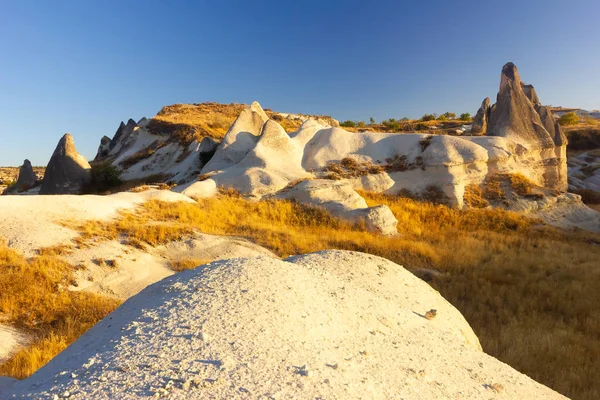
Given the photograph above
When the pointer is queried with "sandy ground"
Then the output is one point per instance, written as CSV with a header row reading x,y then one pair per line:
x,y
117,270
333,325
29,223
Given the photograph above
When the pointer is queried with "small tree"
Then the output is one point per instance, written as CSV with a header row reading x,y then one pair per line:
x,y
104,177
428,117
372,121
569,118
442,118
348,124
465,117
362,124
450,115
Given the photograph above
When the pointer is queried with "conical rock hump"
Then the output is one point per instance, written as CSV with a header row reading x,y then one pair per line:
x,y
68,171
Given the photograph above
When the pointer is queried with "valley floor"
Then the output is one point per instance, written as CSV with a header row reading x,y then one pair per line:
x,y
528,290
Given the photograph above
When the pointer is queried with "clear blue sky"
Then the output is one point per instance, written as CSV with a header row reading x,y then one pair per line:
x,y
83,66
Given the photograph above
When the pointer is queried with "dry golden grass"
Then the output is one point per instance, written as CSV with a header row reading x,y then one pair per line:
x,y
529,291
521,184
187,263
188,122
58,250
34,298
473,197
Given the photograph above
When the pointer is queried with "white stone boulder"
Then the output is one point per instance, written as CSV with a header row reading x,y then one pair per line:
x,y
334,325
341,200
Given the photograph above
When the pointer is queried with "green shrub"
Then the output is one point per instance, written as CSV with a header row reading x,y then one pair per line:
x,y
450,115
442,118
421,127
348,124
105,176
392,124
465,117
569,118
428,117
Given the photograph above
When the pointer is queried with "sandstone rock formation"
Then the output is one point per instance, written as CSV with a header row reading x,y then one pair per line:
x,y
68,171
122,134
514,116
26,179
480,121
239,140
328,325
207,149
103,149
341,200
263,160
519,116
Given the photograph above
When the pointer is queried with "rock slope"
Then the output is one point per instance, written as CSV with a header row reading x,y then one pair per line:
x,y
325,325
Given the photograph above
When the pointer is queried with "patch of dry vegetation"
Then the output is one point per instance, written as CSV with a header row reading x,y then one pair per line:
x,y
473,197
34,298
522,185
529,291
348,167
188,122
187,263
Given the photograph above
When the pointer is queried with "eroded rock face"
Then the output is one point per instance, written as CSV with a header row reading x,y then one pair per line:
x,y
480,121
122,133
104,148
68,171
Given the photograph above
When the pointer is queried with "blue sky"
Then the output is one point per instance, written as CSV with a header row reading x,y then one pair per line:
x,y
83,66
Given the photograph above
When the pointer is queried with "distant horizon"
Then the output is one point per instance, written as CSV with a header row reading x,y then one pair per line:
x,y
84,67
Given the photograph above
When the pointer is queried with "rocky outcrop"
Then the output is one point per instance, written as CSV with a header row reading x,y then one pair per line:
x,y
514,116
531,94
122,133
519,116
333,325
480,121
207,149
26,179
104,148
241,137
341,200
68,172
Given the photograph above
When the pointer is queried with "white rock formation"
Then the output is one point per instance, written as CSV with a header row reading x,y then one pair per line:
x,y
584,171
342,201
326,325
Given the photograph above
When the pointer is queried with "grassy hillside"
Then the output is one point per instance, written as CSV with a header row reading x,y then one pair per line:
x,y
529,291
188,122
